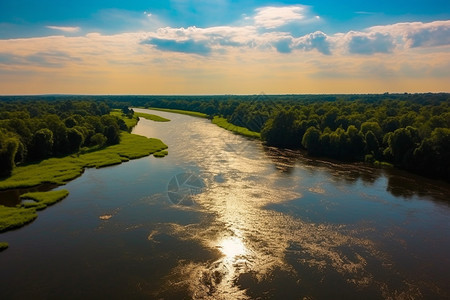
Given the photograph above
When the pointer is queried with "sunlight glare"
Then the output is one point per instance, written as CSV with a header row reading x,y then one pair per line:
x,y
232,247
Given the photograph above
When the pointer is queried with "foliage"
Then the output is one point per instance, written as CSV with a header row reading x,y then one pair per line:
x,y
406,130
60,170
386,129
32,129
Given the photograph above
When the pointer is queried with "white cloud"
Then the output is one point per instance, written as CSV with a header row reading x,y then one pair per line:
x,y
316,40
271,17
370,43
65,28
173,57
418,34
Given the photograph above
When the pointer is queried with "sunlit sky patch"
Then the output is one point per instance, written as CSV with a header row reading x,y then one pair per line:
x,y
223,46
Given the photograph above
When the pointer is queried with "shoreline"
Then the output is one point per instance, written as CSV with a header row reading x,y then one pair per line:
x,y
59,171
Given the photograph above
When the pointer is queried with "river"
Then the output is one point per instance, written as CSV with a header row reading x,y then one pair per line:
x,y
224,217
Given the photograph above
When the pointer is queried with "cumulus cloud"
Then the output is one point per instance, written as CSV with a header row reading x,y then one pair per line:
x,y
361,43
184,46
317,40
264,52
64,28
283,45
271,17
418,34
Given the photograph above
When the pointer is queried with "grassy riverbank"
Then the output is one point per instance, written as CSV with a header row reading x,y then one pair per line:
x,y
222,122
22,214
61,170
151,117
183,112
130,122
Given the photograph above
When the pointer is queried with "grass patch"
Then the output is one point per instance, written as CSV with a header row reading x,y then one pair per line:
x,y
3,246
179,111
15,217
61,170
222,122
151,117
129,122
161,153
44,199
383,164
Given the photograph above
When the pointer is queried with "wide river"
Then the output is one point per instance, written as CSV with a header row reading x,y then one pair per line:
x,y
224,217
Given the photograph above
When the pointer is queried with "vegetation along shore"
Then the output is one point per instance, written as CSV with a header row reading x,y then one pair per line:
x,y
52,142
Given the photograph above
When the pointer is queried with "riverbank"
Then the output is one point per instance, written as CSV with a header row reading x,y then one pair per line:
x,y
60,170
223,123
151,117
179,111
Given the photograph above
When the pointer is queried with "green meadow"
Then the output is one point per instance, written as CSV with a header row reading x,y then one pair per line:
x,y
222,122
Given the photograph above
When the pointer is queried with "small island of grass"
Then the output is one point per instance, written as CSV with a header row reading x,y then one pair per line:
x,y
43,199
179,111
151,117
3,246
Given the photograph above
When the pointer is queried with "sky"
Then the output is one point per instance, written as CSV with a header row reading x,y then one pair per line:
x,y
224,47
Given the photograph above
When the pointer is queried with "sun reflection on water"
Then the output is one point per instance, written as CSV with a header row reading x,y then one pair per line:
x,y
232,248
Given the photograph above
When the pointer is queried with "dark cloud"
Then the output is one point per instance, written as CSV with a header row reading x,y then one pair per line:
x,y
184,46
371,44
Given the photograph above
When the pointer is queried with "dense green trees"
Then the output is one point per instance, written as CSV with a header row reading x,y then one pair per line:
x,y
407,130
33,130
410,131
8,149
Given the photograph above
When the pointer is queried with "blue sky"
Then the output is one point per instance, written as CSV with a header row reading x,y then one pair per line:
x,y
224,46
26,18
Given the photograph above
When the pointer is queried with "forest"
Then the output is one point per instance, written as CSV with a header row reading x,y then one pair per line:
x,y
409,131
33,129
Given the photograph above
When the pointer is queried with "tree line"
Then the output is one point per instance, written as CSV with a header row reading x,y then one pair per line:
x,y
410,131
33,129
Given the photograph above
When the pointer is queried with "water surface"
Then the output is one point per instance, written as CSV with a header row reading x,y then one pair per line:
x,y
224,217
